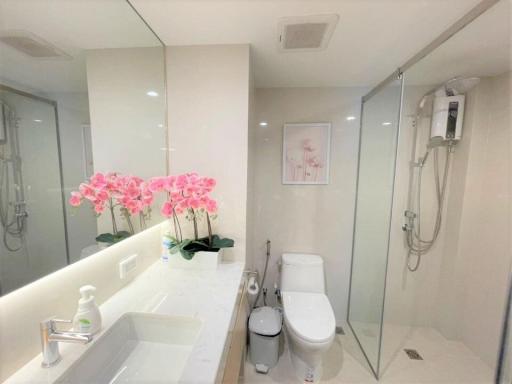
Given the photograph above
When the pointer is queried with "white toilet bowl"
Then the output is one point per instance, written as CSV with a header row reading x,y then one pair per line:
x,y
310,328
308,315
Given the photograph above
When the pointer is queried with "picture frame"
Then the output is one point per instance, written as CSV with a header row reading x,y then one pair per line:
x,y
306,153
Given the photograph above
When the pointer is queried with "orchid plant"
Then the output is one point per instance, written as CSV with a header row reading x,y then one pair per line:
x,y
130,194
187,194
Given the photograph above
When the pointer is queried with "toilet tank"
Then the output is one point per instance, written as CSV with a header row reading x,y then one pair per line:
x,y
302,272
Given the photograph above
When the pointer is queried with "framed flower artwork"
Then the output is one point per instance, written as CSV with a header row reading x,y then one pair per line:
x,y
306,153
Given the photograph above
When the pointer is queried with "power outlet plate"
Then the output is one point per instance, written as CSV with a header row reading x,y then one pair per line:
x,y
128,267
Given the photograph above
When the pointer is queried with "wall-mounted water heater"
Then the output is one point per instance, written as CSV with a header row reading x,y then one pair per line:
x,y
447,116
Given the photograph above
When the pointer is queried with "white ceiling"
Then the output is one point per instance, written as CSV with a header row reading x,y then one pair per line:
x,y
482,48
73,26
371,39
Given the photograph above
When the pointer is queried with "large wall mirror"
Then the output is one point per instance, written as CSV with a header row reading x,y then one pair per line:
x,y
82,91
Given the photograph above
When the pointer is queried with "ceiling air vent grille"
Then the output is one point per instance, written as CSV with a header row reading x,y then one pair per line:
x,y
306,33
31,45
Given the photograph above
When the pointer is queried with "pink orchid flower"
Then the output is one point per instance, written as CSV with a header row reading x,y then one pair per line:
x,y
87,191
167,209
76,199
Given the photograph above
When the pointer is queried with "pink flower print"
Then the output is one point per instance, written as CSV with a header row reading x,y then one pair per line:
x,y
307,146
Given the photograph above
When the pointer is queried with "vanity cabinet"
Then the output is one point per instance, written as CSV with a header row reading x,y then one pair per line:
x,y
235,350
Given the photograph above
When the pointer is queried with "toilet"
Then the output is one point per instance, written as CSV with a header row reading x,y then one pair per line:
x,y
308,315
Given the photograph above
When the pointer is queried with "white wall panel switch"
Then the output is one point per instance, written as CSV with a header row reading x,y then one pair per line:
x,y
128,267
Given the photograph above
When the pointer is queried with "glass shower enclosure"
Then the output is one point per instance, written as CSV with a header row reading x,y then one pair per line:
x,y
31,194
380,115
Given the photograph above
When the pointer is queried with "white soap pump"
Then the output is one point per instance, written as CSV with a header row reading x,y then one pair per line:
x,y
88,316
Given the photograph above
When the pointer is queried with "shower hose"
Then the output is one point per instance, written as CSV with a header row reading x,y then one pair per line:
x,y
417,245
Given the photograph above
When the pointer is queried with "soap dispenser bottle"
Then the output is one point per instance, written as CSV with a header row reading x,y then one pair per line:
x,y
88,316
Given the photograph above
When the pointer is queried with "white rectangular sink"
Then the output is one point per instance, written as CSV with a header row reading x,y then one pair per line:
x,y
138,348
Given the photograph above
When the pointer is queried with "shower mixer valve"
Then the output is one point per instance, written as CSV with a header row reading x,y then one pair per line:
x,y
20,209
410,214
409,225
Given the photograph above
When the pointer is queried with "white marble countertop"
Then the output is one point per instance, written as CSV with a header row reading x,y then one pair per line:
x,y
209,295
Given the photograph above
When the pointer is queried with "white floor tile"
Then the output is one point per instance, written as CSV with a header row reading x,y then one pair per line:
x,y
445,362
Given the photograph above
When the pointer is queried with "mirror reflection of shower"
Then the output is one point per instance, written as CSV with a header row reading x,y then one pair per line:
x,y
447,113
13,213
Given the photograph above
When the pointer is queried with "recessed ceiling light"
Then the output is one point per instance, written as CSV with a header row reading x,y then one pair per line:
x,y
160,125
263,123
350,118
38,121
152,93
386,123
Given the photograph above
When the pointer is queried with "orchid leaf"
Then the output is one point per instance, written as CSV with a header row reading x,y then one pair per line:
x,y
110,238
174,249
188,248
187,255
218,242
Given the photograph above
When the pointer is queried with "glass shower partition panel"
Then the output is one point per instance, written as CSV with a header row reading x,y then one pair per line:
x,y
33,239
377,155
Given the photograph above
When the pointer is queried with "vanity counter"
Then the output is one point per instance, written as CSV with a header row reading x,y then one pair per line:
x,y
209,295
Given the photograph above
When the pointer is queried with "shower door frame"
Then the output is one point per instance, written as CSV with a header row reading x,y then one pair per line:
x,y
54,105
456,27
462,22
397,75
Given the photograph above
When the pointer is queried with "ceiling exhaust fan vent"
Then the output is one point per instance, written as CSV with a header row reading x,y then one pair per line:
x,y
306,33
32,45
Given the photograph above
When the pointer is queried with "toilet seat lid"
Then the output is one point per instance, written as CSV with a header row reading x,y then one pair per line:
x,y
309,315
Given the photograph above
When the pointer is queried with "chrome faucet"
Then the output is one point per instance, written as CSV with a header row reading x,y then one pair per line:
x,y
50,338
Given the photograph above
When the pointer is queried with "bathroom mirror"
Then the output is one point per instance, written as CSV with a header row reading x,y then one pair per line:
x,y
82,91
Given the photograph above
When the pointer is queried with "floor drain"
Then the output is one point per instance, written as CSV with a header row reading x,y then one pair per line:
x,y
413,354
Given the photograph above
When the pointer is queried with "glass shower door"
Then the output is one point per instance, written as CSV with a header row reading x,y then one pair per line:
x,y
377,156
30,191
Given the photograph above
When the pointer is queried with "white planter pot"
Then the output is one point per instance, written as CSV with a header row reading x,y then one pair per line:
x,y
201,260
